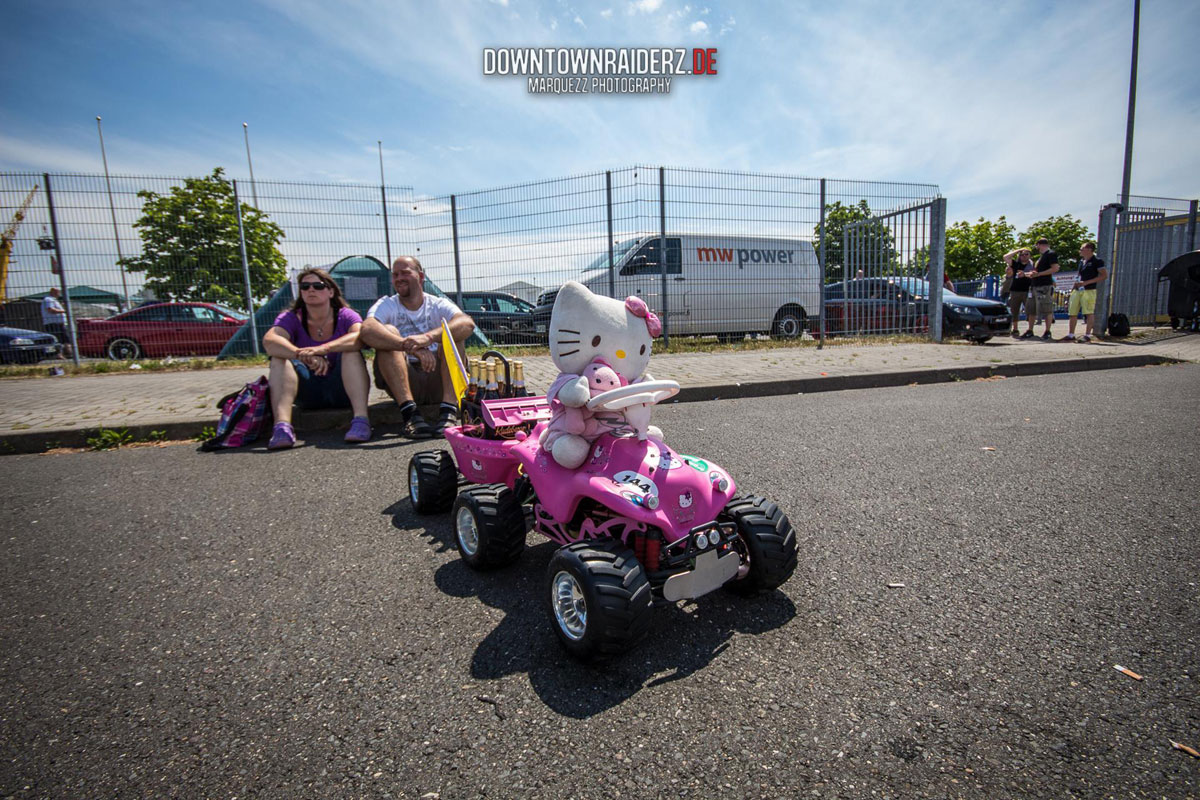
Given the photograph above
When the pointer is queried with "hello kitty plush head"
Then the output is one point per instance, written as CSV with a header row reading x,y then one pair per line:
x,y
585,327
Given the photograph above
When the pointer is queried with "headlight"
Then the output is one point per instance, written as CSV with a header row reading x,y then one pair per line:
x,y
20,341
966,311
701,541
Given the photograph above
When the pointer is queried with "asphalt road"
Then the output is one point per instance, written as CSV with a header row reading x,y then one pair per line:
x,y
253,624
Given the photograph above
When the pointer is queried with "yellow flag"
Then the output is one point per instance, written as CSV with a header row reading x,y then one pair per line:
x,y
458,374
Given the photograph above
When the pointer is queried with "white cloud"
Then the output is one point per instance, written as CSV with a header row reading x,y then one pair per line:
x,y
699,26
579,21
645,6
607,13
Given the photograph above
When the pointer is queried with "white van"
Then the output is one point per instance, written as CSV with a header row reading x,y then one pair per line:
x,y
716,284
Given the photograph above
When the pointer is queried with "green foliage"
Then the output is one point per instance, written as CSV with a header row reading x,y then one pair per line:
x,y
873,239
975,250
110,439
206,433
190,244
156,436
1066,234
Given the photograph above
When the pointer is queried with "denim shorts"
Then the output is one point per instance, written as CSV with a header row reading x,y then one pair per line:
x,y
321,391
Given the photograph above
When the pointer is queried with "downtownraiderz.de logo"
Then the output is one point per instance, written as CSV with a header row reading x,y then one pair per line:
x,y
599,70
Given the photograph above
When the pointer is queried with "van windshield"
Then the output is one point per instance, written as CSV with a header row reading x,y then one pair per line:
x,y
619,251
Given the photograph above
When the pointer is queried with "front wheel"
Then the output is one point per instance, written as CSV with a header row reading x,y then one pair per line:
x,y
432,481
489,526
123,349
599,598
788,324
767,544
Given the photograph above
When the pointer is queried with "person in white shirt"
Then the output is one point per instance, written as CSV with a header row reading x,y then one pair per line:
x,y
405,329
54,320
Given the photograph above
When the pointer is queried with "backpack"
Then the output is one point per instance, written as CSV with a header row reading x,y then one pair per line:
x,y
1118,325
244,416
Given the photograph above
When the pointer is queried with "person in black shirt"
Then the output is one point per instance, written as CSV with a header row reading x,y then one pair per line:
x,y
1043,285
1018,289
1083,295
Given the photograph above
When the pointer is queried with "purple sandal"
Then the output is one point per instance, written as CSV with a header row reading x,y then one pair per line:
x,y
282,436
360,430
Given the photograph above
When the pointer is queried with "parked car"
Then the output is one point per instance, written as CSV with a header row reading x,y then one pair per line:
x,y
877,305
21,346
717,283
503,318
159,330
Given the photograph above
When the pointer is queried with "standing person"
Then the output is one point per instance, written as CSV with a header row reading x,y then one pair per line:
x,y
54,320
406,331
316,360
1092,273
1018,290
1043,285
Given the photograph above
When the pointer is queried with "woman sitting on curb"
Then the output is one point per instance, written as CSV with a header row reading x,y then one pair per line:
x,y
316,360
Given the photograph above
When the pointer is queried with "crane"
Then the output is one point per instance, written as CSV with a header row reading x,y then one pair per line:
x,y
6,242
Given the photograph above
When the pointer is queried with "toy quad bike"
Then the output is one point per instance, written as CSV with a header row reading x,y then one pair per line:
x,y
640,525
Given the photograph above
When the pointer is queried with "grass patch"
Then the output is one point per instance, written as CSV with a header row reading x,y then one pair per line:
x,y
110,439
115,367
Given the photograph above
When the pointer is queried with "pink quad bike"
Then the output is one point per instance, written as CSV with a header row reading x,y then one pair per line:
x,y
640,525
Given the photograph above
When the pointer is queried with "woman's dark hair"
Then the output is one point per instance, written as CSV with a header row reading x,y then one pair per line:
x,y
335,302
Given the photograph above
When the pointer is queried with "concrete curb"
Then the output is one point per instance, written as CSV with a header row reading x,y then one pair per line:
x,y
387,413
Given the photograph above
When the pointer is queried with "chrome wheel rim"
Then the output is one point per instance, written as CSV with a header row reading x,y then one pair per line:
x,y
789,327
413,483
570,607
468,532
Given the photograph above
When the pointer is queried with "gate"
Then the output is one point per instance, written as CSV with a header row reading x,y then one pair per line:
x,y
890,278
1147,238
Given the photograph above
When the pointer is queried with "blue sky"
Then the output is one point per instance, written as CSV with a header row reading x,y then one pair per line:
x,y
1013,108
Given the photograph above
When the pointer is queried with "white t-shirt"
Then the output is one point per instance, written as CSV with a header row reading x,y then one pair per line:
x,y
50,306
433,311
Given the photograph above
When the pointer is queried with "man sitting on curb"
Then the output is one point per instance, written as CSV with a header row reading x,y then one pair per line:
x,y
406,330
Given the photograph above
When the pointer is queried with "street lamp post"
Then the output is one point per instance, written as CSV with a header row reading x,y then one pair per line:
x,y
113,208
250,164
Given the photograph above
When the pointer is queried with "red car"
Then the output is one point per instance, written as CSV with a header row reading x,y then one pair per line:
x,y
158,330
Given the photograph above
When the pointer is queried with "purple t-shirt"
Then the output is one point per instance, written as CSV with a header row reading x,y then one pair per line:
x,y
290,321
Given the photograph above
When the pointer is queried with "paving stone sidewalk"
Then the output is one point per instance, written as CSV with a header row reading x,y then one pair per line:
x,y
59,410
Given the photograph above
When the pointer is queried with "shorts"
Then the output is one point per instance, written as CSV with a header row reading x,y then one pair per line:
x,y
1043,299
321,391
59,331
1082,301
1015,301
426,387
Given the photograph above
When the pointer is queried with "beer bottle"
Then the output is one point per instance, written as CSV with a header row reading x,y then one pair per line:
x,y
492,390
519,389
473,382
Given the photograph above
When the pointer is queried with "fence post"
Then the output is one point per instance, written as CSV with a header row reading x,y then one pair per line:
x,y
821,266
662,252
1191,228
1106,233
937,266
62,271
237,204
457,262
612,280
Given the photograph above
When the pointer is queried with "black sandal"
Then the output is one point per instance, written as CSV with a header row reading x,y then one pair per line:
x,y
416,427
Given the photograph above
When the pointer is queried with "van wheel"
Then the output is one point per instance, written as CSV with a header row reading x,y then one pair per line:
x,y
789,323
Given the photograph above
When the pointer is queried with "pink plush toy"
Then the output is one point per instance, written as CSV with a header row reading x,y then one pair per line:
x,y
582,421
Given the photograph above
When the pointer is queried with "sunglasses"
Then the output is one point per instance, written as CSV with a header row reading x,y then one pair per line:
x,y
313,286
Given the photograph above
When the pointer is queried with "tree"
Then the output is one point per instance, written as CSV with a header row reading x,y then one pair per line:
x,y
873,248
1066,234
975,250
190,244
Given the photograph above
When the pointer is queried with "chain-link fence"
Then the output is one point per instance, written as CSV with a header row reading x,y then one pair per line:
x,y
725,254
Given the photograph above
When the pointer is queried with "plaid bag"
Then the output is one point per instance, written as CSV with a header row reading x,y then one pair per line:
x,y
244,416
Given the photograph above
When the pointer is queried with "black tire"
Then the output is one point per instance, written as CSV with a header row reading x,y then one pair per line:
x,y
123,348
768,541
789,323
432,481
489,526
598,598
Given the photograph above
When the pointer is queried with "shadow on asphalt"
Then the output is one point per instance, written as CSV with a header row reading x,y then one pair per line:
x,y
682,640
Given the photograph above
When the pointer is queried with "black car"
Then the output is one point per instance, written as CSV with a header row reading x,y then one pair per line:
x,y
872,305
20,346
503,318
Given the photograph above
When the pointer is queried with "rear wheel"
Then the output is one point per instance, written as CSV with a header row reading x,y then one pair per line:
x,y
789,323
123,349
489,526
432,481
767,543
599,598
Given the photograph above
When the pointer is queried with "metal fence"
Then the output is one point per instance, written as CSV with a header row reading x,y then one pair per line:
x,y
718,253
1151,232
